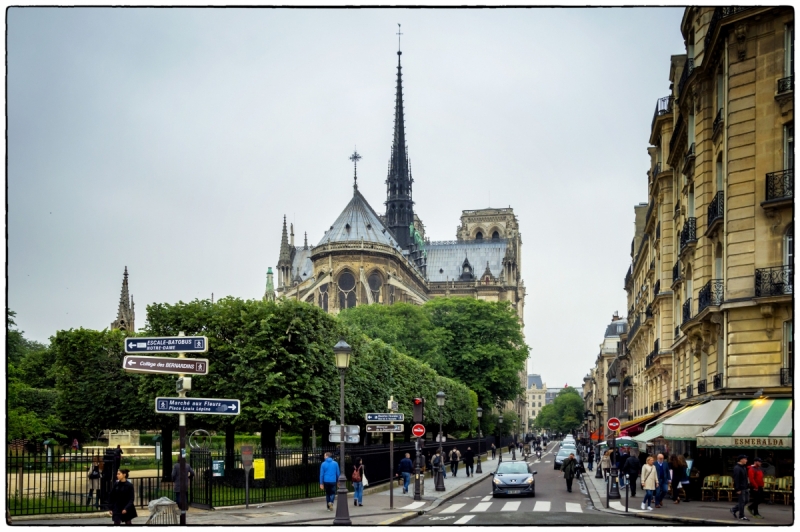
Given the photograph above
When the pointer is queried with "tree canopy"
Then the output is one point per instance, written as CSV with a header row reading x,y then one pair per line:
x,y
564,414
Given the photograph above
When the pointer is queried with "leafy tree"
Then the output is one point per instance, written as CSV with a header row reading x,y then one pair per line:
x,y
564,414
17,346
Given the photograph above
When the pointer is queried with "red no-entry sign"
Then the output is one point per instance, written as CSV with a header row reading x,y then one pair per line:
x,y
613,424
418,430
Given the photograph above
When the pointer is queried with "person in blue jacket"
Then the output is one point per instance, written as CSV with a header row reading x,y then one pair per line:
x,y
328,477
405,470
663,477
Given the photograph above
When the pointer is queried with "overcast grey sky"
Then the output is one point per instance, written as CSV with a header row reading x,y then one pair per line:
x,y
173,141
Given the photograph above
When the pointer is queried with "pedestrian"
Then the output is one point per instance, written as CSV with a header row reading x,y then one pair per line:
x,y
358,482
591,459
177,483
93,475
117,458
469,460
605,463
568,467
121,498
662,475
75,445
755,475
455,456
740,485
328,476
649,483
405,470
437,463
493,451
678,476
631,468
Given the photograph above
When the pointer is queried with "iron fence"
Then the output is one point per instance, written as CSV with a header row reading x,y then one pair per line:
x,y
701,386
689,232
775,281
716,209
711,295
718,381
785,84
780,185
687,310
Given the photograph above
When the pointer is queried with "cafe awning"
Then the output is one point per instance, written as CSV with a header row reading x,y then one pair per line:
x,y
692,421
656,430
635,426
752,424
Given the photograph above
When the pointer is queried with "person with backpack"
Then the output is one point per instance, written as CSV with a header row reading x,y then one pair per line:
x,y
358,482
93,477
455,456
568,467
437,463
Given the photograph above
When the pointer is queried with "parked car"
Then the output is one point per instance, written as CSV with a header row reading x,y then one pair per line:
x,y
513,477
562,455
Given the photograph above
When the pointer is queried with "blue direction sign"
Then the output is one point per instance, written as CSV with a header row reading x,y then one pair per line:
x,y
167,344
385,417
196,405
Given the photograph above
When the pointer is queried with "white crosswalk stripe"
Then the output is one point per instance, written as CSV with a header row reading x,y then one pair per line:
x,y
512,506
481,507
574,507
464,520
414,505
621,507
542,506
453,508
487,498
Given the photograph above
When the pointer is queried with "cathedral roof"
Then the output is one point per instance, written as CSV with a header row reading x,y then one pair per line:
x,y
358,220
302,263
449,257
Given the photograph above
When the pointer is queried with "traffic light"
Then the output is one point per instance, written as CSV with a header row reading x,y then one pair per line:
x,y
419,409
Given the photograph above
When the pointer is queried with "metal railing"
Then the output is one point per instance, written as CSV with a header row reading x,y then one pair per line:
x,y
658,230
677,396
718,121
718,381
677,333
663,106
780,185
648,312
689,391
657,287
635,328
689,157
676,272
711,294
777,281
786,377
687,71
785,85
687,310
716,209
689,232
701,386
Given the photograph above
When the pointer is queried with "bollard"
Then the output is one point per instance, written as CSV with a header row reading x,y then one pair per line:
x,y
627,487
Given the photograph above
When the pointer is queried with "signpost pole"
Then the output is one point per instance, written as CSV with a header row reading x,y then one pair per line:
x,y
391,459
182,445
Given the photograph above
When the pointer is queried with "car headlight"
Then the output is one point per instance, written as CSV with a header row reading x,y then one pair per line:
x,y
497,481
529,480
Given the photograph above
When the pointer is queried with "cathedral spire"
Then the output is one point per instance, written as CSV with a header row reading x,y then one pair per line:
x,y
284,258
125,313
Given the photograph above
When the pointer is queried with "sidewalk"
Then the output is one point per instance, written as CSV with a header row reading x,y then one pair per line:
x,y
694,512
375,511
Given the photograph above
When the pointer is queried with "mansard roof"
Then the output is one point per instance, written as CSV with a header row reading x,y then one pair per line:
x,y
358,220
449,257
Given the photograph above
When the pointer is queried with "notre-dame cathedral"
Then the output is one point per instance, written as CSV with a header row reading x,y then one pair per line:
x,y
367,258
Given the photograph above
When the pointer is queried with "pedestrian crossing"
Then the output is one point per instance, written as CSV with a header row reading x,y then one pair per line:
x,y
512,506
414,505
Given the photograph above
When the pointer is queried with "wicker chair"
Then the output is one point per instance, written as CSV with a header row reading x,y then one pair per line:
x,y
725,485
709,487
769,486
783,488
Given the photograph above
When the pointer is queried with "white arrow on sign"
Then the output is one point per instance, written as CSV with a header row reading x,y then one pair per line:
x,y
232,407
131,362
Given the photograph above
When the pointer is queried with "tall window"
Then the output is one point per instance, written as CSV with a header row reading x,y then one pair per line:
x,y
323,297
720,90
788,347
375,283
788,62
347,293
720,182
788,246
718,261
690,206
788,146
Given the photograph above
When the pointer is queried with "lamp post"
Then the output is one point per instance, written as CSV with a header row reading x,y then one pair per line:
x,y
478,469
342,354
613,391
499,435
598,406
514,441
440,398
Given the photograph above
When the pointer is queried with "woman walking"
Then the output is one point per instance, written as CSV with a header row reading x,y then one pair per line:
x,y
678,476
358,482
605,463
93,480
649,483
121,497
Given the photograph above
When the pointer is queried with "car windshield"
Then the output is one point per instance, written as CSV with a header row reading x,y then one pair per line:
x,y
512,468
563,455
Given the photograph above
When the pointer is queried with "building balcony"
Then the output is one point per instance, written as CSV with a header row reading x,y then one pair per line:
x,y
719,121
687,311
657,288
676,274
701,387
786,376
635,328
716,212
677,333
718,381
663,107
628,277
677,396
688,233
711,295
687,71
777,281
689,391
688,160
780,189
785,85
648,313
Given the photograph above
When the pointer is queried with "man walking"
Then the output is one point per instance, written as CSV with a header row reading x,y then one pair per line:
x,y
591,459
177,482
662,475
756,477
328,476
568,467
469,460
455,456
632,468
493,451
740,484
405,470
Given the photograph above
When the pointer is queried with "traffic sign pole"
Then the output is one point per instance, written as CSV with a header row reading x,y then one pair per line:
x,y
182,445
392,405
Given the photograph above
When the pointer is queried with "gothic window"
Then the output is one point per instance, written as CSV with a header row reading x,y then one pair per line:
x,y
375,282
347,293
323,297
391,295
495,236
479,236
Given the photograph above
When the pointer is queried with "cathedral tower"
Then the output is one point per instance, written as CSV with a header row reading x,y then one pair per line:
x,y
125,313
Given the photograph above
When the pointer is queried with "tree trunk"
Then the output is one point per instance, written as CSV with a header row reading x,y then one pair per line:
x,y
306,443
230,452
269,432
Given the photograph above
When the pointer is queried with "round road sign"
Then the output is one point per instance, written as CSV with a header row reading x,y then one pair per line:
x,y
418,430
613,424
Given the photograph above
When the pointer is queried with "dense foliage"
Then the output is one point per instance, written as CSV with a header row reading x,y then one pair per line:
x,y
564,414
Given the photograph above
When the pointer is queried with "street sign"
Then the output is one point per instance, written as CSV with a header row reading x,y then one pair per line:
x,y
418,430
348,429
167,344
196,405
385,428
613,424
247,457
385,417
146,364
349,438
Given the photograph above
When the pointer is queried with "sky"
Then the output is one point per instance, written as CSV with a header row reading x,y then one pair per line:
x,y
173,142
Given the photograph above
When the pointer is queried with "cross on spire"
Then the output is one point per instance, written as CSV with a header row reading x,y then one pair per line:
x,y
355,158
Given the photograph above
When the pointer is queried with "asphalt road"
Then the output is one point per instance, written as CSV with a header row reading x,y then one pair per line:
x,y
552,505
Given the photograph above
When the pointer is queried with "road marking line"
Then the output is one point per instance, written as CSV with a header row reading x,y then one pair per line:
x,y
574,507
547,461
542,506
397,518
619,506
453,508
481,507
464,520
487,498
511,506
414,505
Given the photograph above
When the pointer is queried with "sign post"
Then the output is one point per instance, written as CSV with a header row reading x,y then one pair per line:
x,y
149,364
247,463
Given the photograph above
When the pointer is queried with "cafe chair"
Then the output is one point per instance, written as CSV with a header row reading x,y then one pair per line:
x,y
783,488
725,486
709,487
769,486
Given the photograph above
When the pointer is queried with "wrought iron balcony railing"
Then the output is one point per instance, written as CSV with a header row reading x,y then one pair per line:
x,y
657,287
711,294
718,381
635,327
777,281
648,360
658,230
656,170
677,333
663,106
687,310
689,157
780,185
689,391
716,209
676,273
701,386
655,347
689,232
786,376
648,312
687,71
677,396
785,84
627,382
656,406
718,121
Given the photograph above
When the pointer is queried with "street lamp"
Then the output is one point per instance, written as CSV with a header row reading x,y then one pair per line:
x,y
500,435
440,397
598,406
478,469
514,441
613,391
342,354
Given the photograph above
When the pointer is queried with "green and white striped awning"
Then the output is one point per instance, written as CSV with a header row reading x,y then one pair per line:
x,y
752,424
